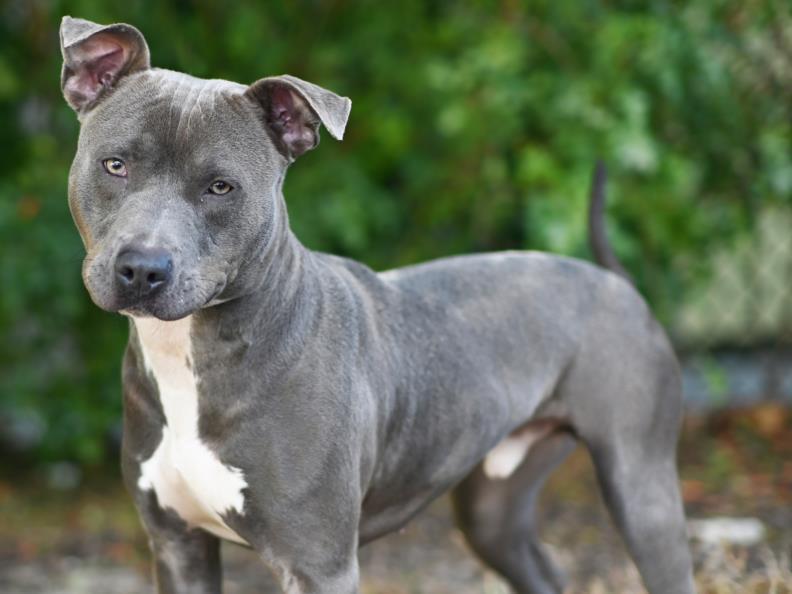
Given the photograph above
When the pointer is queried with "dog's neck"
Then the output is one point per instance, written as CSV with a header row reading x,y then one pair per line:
x,y
277,306
282,286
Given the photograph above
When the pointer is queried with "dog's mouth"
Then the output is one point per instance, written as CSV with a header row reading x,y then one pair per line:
x,y
214,298
168,293
150,308
169,307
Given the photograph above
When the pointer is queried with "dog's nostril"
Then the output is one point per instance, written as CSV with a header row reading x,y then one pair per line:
x,y
154,277
142,271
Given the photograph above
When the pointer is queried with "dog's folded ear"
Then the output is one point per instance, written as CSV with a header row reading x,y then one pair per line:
x,y
293,110
95,57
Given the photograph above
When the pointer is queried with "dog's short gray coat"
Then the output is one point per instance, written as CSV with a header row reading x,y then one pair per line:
x,y
303,404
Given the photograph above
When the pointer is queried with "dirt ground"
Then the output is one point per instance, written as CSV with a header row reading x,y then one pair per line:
x,y
736,465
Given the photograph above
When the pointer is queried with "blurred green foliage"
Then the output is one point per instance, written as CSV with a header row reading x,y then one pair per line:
x,y
474,126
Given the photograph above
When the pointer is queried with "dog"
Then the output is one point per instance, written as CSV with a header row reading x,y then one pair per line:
x,y
302,405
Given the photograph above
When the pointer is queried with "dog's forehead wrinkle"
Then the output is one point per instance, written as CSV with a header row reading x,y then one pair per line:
x,y
209,133
164,75
174,164
191,100
169,107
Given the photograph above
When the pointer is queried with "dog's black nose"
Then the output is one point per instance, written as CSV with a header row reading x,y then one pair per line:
x,y
142,271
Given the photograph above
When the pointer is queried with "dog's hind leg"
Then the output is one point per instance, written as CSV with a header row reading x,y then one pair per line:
x,y
494,508
626,407
640,486
641,491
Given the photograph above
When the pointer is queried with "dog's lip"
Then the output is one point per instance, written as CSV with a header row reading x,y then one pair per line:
x,y
211,301
143,309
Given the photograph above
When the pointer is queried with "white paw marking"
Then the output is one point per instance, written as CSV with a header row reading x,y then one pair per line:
x,y
186,475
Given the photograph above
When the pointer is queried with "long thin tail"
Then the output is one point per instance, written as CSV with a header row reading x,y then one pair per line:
x,y
598,237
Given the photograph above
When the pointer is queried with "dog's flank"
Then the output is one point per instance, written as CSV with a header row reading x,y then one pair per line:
x,y
303,404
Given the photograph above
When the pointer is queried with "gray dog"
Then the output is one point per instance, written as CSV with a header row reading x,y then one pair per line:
x,y
300,404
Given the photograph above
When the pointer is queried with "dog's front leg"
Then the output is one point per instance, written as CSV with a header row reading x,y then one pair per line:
x,y
186,561
308,557
298,581
307,534
307,576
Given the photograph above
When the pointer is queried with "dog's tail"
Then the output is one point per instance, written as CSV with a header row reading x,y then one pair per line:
x,y
598,238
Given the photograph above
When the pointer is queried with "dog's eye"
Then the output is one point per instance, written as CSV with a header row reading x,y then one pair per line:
x,y
115,167
220,187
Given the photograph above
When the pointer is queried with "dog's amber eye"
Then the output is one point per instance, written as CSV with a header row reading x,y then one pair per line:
x,y
115,167
220,187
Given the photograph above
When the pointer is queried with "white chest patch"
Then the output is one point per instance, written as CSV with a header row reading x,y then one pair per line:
x,y
185,474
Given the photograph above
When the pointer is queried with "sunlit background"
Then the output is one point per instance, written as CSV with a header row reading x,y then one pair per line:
x,y
475,127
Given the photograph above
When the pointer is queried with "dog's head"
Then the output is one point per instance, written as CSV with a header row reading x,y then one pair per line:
x,y
175,187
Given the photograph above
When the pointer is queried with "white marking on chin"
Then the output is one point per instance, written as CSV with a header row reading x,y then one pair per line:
x,y
506,457
185,474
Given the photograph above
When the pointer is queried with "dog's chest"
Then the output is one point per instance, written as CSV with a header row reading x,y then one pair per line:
x,y
186,475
